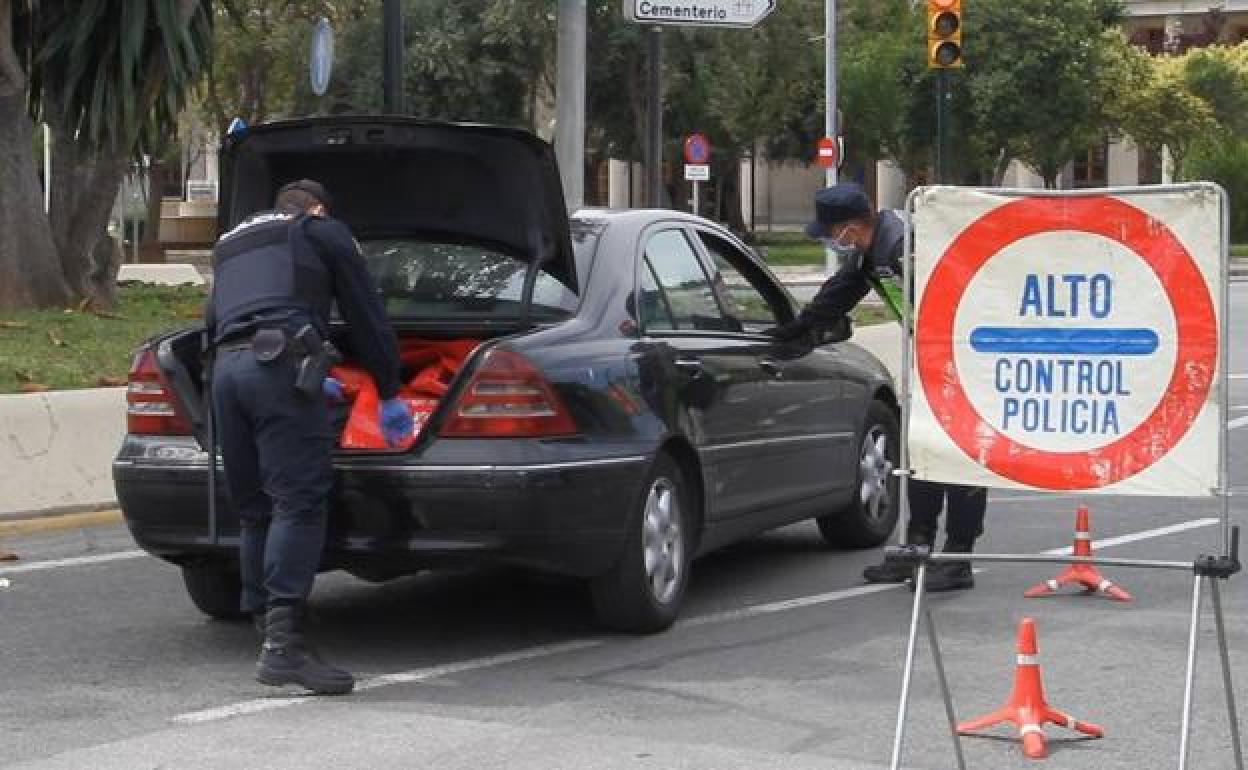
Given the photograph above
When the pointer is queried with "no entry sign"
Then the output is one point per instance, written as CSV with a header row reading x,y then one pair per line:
x,y
1068,342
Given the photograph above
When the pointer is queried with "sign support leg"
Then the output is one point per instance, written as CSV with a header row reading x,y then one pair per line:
x,y
1215,593
944,688
1190,681
899,737
696,184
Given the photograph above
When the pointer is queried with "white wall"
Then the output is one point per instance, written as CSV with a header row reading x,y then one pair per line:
x,y
1124,163
1019,175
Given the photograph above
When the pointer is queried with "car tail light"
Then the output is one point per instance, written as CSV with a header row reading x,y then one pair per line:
x,y
507,398
149,404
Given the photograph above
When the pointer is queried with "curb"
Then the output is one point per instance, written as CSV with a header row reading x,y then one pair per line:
x,y
58,522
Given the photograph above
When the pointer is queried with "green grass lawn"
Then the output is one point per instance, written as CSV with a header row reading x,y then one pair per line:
x,y
70,349
1239,250
791,249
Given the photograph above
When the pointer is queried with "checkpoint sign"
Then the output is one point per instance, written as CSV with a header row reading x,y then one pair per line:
x,y
1068,343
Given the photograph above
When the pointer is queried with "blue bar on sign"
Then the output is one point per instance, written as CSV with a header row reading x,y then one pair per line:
x,y
1120,342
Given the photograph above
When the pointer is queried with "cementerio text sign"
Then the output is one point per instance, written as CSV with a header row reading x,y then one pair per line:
x,y
709,13
1068,342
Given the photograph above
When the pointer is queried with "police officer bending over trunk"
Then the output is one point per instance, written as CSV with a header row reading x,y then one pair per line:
x,y
275,278
867,243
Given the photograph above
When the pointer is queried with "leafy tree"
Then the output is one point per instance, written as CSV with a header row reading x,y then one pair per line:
x,y
1057,54
470,60
1223,158
260,57
1161,110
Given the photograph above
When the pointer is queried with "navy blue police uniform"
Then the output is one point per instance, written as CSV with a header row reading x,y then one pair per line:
x,y
275,274
965,505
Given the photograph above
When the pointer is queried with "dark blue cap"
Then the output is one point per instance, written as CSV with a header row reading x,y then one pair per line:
x,y
311,187
836,204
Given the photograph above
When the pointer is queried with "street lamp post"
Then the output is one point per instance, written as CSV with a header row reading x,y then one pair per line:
x,y
392,56
829,73
570,101
829,112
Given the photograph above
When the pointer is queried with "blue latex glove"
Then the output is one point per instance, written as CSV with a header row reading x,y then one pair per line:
x,y
396,421
332,389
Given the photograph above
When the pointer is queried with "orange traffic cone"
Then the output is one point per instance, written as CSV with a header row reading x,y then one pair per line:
x,y
1086,575
1026,706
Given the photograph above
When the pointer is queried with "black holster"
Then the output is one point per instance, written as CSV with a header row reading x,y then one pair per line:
x,y
313,357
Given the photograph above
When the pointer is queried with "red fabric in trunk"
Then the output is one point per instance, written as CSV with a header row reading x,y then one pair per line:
x,y
432,363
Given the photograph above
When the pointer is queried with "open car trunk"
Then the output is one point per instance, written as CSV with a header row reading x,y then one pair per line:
x,y
428,373
462,226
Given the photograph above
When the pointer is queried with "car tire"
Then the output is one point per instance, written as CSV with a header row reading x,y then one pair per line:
x,y
643,592
215,589
871,515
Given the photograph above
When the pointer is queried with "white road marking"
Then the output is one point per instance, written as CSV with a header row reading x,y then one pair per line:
x,y
257,705
1148,534
1032,498
788,604
1239,376
1238,422
76,561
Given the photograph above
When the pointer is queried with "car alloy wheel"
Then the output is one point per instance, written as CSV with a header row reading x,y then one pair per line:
x,y
871,513
663,540
876,472
643,592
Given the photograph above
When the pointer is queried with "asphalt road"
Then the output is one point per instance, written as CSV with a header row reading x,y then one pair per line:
x,y
783,659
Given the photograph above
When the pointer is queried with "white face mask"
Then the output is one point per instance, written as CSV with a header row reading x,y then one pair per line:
x,y
843,253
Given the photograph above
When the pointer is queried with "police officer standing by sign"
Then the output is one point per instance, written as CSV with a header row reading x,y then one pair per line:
x,y
275,277
869,245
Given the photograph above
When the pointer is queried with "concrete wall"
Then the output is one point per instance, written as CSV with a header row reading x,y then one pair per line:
x,y
783,193
56,449
1124,163
890,185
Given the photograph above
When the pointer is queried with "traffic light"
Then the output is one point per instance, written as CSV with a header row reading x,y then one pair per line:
x,y
944,34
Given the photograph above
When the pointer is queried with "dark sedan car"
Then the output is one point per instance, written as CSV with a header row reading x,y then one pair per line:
x,y
606,404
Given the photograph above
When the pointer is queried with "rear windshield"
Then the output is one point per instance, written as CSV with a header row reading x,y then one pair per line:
x,y
423,279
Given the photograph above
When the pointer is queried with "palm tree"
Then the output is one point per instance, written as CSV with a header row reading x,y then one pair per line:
x,y
109,77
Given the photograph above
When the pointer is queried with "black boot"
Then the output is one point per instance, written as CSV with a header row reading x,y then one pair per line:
x,y
287,658
950,575
892,572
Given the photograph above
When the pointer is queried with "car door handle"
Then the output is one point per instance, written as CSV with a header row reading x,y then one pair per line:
x,y
690,366
771,366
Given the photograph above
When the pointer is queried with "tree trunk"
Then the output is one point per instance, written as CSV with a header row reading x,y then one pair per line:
x,y
30,275
83,194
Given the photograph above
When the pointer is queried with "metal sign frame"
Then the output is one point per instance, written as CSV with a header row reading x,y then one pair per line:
x,y
1203,568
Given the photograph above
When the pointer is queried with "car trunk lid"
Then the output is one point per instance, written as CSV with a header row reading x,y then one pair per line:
x,y
486,185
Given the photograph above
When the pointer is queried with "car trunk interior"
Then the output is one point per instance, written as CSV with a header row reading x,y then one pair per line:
x,y
428,370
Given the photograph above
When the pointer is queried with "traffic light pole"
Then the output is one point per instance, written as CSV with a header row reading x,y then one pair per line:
x,y
942,126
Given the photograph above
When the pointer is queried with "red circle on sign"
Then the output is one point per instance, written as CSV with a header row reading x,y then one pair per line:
x,y
1195,354
697,150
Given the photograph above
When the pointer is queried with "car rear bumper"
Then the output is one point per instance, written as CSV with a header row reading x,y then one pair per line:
x,y
395,515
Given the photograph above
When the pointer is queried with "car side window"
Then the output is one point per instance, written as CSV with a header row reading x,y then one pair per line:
x,y
684,284
654,311
737,289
